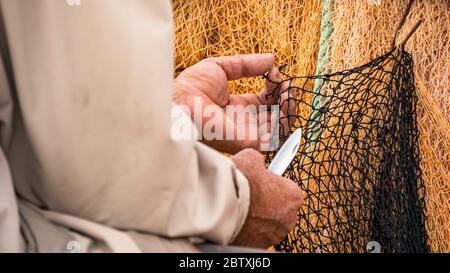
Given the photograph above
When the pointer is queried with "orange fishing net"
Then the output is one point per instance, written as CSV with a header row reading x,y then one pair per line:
x,y
363,30
289,29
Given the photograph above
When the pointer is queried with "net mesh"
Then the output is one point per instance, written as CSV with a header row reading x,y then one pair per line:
x,y
362,31
435,147
358,162
207,28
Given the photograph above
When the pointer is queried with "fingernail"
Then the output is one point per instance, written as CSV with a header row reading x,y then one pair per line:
x,y
278,75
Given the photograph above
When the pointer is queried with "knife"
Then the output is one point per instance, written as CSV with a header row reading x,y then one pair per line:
x,y
286,154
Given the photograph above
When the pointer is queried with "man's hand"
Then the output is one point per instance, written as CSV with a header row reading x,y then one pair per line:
x,y
208,80
274,202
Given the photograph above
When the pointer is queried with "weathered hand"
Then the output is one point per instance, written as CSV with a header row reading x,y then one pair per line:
x,y
208,79
274,202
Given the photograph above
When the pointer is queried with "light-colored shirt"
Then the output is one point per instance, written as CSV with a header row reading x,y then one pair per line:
x,y
85,100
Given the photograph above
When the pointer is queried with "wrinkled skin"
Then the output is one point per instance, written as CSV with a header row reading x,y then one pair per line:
x,y
274,200
208,80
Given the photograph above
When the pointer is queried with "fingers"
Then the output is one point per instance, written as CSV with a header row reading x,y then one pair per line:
x,y
295,192
276,87
236,67
273,80
288,100
274,202
288,105
266,131
245,99
293,200
249,160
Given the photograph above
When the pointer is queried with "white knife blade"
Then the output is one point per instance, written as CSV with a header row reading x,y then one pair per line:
x,y
286,154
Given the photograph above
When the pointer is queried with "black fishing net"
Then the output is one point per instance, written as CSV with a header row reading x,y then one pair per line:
x,y
358,163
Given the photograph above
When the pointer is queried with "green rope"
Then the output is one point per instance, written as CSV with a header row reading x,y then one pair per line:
x,y
326,28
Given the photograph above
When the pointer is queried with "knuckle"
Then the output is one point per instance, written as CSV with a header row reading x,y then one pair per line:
x,y
247,152
250,144
254,154
259,156
209,60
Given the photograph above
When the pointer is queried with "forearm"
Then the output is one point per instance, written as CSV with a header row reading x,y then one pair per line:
x,y
94,138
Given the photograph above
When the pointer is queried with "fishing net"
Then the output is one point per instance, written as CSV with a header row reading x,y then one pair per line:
x,y
290,29
358,163
355,32
435,153
361,32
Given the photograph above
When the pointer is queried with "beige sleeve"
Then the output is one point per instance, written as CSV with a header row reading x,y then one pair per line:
x,y
93,135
